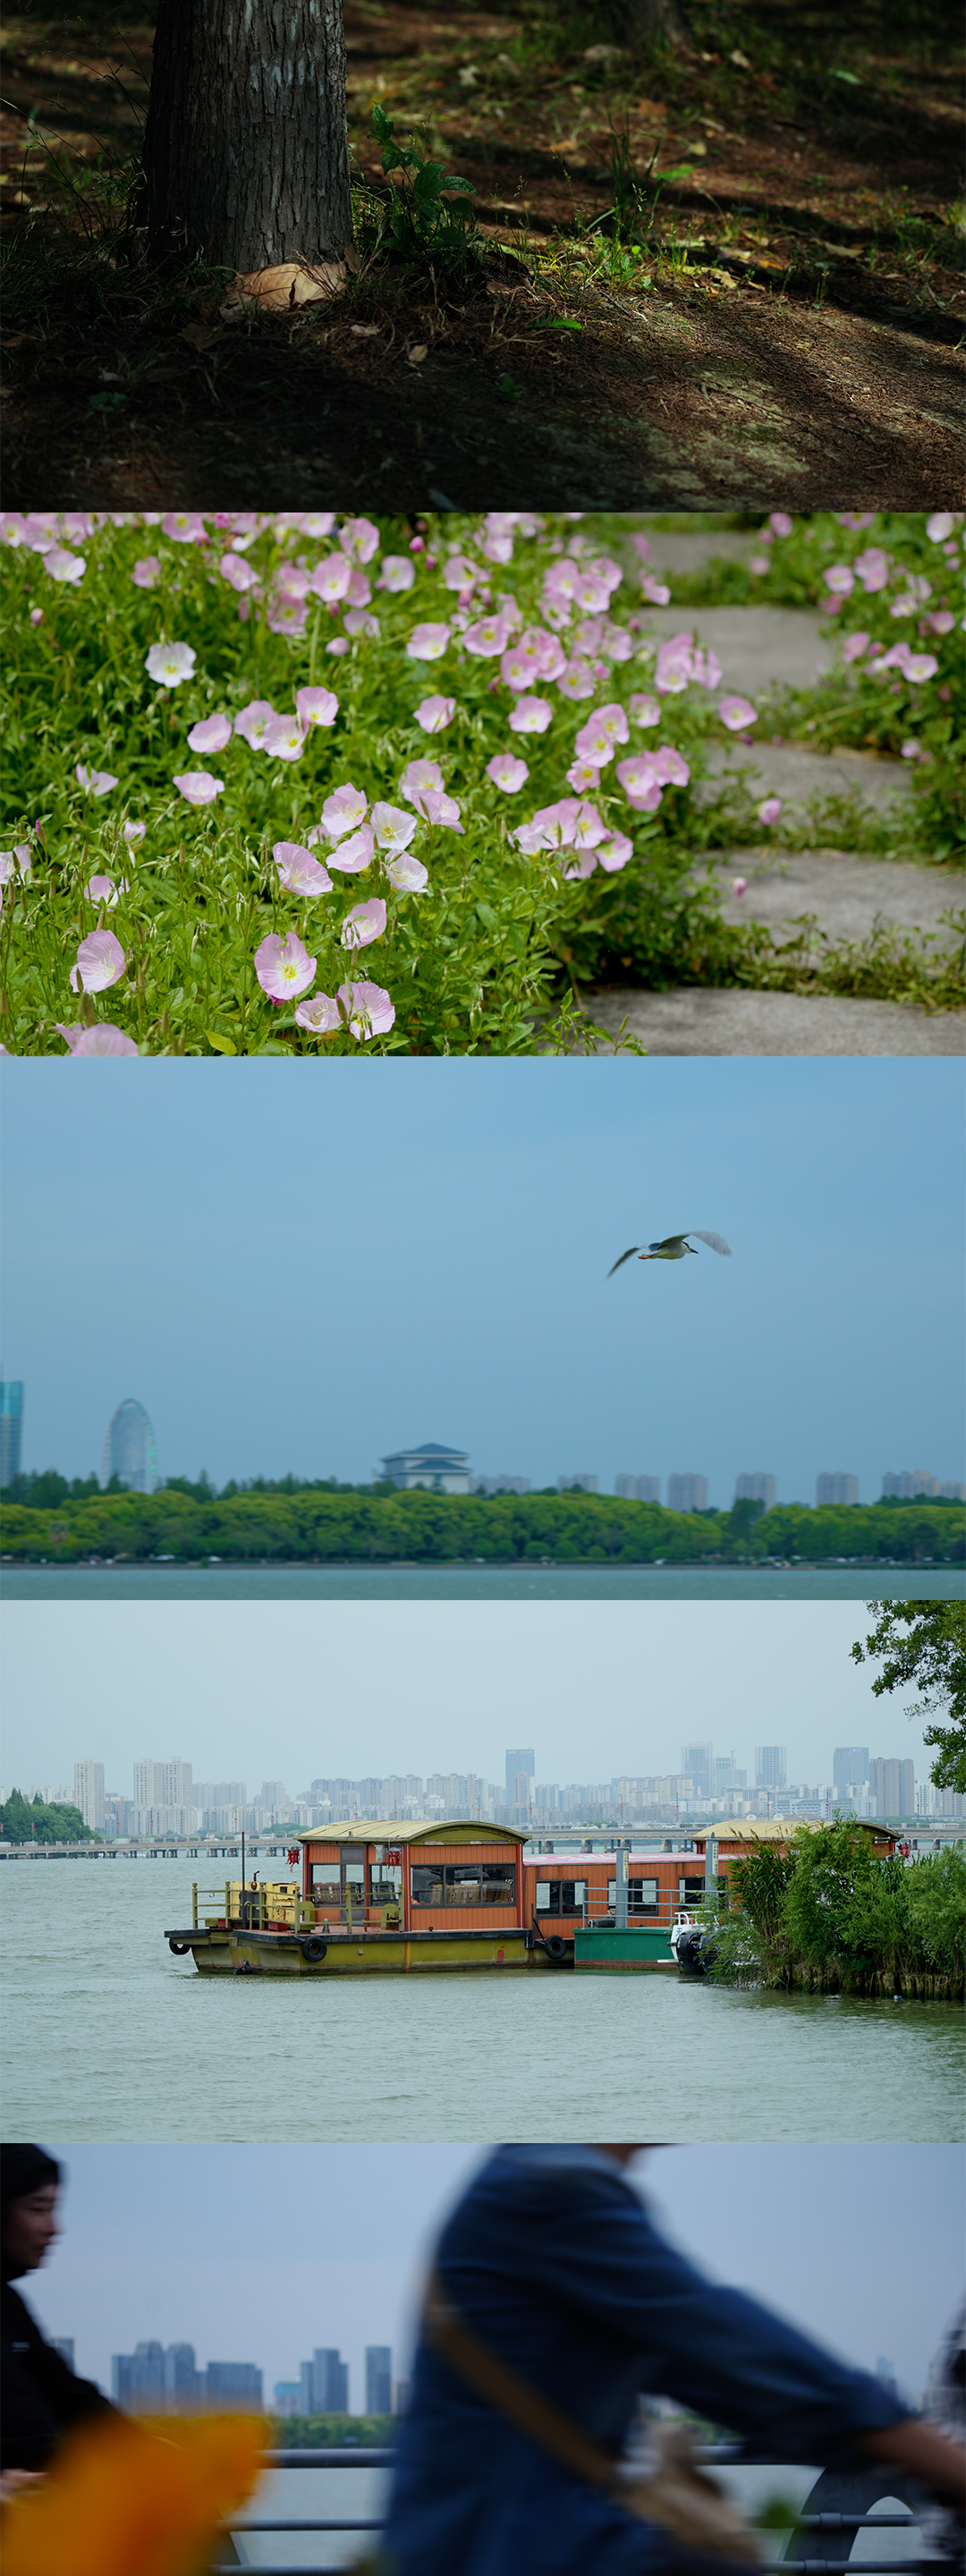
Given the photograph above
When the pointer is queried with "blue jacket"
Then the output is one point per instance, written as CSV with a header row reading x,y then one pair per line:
x,y
553,2259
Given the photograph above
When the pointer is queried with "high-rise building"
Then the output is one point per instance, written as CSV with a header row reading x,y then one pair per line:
x,y
758,1488
326,2380
577,1484
837,1488
727,1775
130,1450
893,1786
913,1481
501,1484
698,1761
234,2383
287,2394
378,2379
638,1489
137,2379
89,1793
11,1427
182,2378
445,1471
770,1766
164,1798
520,1768
850,1771
686,1493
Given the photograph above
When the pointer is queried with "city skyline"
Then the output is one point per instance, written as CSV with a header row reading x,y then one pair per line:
x,y
153,2237
655,1675
516,1343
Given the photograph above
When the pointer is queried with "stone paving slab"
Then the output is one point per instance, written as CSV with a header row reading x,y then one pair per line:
x,y
692,1021
796,775
755,646
847,895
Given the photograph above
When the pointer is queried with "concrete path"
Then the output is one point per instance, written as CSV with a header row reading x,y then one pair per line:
x,y
847,895
690,1021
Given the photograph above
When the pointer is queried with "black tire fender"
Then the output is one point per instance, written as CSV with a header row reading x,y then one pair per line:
x,y
314,1948
556,1947
180,1949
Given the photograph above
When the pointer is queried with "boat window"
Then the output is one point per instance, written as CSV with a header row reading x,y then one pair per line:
x,y
642,1896
464,1883
324,1881
384,1883
560,1895
355,1871
544,1891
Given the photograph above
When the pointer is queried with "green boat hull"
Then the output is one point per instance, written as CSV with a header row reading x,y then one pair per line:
x,y
643,1947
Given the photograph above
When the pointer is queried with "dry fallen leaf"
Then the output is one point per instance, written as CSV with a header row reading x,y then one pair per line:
x,y
199,335
418,353
365,330
277,290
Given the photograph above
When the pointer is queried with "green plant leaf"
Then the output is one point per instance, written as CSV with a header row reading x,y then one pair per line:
x,y
222,1045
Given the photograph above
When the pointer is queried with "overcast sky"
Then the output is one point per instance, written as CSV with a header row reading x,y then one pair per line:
x,y
302,1690
304,1266
261,2253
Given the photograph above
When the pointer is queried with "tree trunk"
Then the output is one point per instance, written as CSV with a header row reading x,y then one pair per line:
x,y
246,154
663,20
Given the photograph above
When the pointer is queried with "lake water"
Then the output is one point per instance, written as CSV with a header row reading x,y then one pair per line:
x,y
479,1583
110,2037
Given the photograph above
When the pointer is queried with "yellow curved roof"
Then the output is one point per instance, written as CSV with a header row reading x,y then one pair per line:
x,y
366,1829
773,1829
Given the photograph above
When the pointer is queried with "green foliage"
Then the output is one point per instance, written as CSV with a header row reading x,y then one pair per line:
x,y
25,1820
418,222
332,2432
830,1914
924,1643
324,1524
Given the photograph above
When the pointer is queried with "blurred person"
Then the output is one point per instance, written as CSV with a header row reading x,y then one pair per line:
x,y
551,2281
42,2398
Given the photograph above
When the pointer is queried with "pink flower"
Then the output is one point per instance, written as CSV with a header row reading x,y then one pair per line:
x,y
396,572
736,713
872,568
614,853
489,635
940,621
507,772
458,574
531,715
675,665
911,751
169,664
320,1015
420,774
291,579
657,591
941,525
283,966
780,522
359,622
298,871
436,808
184,526
102,1039
103,890
133,832
286,616
739,885
583,774
36,619
922,666
211,734
840,579
393,829
98,782
364,923
355,853
641,547
253,722
770,808
406,874
317,523
338,644
15,861
239,574
706,668
360,593
553,827
597,737
760,563
100,960
576,680
435,714
369,1011
332,578
853,646
645,711
640,781
63,566
284,738
198,787
428,644
343,810
360,539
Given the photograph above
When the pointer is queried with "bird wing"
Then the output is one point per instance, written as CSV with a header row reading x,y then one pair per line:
x,y
625,1256
668,1242
716,1241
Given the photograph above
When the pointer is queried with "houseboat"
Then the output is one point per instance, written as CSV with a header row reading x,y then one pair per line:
x,y
372,1898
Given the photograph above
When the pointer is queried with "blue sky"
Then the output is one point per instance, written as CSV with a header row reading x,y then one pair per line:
x,y
302,1689
301,1266
261,2253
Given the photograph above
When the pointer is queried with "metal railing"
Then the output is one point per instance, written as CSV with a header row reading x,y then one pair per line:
x,y
840,2505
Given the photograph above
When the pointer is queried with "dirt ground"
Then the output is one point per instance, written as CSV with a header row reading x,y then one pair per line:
x,y
799,341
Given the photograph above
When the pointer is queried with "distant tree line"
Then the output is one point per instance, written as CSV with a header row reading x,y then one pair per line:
x,y
326,1523
332,2432
28,1820
827,1916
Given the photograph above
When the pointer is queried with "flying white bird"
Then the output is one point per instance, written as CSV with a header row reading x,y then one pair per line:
x,y
673,1248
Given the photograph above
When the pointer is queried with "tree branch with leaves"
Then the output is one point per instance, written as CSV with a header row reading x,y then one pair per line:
x,y
923,1644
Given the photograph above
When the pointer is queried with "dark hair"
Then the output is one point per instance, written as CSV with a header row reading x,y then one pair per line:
x,y
23,2170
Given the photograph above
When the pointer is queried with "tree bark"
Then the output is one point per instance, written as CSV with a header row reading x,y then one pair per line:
x,y
246,153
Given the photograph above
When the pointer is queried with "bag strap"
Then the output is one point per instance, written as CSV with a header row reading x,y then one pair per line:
x,y
502,2388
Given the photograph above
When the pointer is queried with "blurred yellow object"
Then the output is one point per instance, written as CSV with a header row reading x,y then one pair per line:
x,y
135,2498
